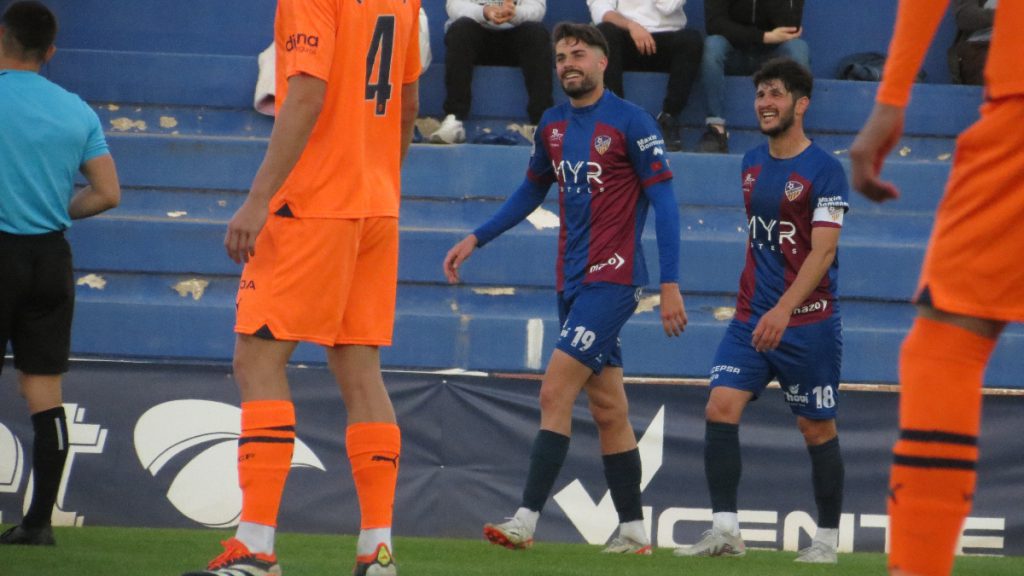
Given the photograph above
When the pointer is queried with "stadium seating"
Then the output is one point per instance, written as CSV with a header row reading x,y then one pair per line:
x,y
172,82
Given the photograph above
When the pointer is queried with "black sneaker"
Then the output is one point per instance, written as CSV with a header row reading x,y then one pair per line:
x,y
28,536
714,141
670,130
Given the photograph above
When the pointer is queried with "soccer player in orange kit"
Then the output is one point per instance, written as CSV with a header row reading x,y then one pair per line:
x,y
319,235
967,292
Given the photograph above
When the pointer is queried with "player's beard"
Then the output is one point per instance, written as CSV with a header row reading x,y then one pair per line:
x,y
586,86
786,120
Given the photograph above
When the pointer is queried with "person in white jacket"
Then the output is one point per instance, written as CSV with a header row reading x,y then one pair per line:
x,y
495,33
651,36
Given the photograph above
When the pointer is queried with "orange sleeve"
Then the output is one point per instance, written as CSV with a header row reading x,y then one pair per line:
x,y
412,52
916,23
307,28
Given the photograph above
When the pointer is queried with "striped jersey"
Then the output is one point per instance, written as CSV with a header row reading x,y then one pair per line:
x,y
784,200
603,158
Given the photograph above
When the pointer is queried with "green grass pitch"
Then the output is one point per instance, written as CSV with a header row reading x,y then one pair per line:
x,y
94,551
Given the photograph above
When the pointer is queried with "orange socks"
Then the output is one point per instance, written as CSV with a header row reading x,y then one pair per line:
x,y
264,457
373,450
933,474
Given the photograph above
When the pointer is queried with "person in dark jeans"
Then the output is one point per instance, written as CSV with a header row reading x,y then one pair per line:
x,y
494,33
651,37
741,36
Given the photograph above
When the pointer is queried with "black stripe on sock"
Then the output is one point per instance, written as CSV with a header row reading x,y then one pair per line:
x,y
265,440
938,436
276,428
947,463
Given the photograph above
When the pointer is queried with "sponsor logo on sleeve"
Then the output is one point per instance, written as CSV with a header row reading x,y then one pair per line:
x,y
832,202
302,42
649,142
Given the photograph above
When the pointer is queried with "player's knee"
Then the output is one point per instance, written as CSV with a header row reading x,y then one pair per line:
x,y
724,412
609,415
249,373
553,400
243,371
816,432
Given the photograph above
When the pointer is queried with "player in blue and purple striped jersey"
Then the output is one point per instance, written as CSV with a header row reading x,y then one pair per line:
x,y
787,323
608,159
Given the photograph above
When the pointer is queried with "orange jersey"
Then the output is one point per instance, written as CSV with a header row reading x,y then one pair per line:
x,y
365,50
916,22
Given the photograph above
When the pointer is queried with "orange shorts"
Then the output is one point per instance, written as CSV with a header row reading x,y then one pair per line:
x,y
327,281
971,266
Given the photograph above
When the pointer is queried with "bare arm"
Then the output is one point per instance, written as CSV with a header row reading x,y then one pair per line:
x,y
867,155
291,132
103,191
292,128
410,109
771,326
641,37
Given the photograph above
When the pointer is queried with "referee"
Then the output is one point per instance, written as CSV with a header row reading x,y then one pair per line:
x,y
46,135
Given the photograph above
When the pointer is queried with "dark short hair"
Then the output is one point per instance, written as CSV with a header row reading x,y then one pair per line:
x,y
796,78
31,28
586,33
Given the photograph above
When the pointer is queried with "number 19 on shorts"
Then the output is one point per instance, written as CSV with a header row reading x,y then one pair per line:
x,y
582,338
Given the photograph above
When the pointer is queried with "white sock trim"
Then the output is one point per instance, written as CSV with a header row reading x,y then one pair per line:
x,y
728,522
258,538
371,538
634,530
828,536
528,517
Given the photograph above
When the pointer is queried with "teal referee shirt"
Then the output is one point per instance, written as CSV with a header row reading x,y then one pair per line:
x,y
46,134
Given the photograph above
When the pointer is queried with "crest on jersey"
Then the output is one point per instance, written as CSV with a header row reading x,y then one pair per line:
x,y
793,190
602,143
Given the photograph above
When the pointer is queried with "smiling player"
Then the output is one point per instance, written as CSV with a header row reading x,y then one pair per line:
x,y
607,156
787,324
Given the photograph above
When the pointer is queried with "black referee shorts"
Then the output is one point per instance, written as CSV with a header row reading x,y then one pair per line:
x,y
37,301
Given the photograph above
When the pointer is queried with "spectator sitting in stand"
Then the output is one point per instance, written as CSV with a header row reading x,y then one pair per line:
x,y
493,32
651,36
742,35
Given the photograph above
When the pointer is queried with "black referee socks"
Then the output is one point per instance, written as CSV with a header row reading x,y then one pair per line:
x,y
49,452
